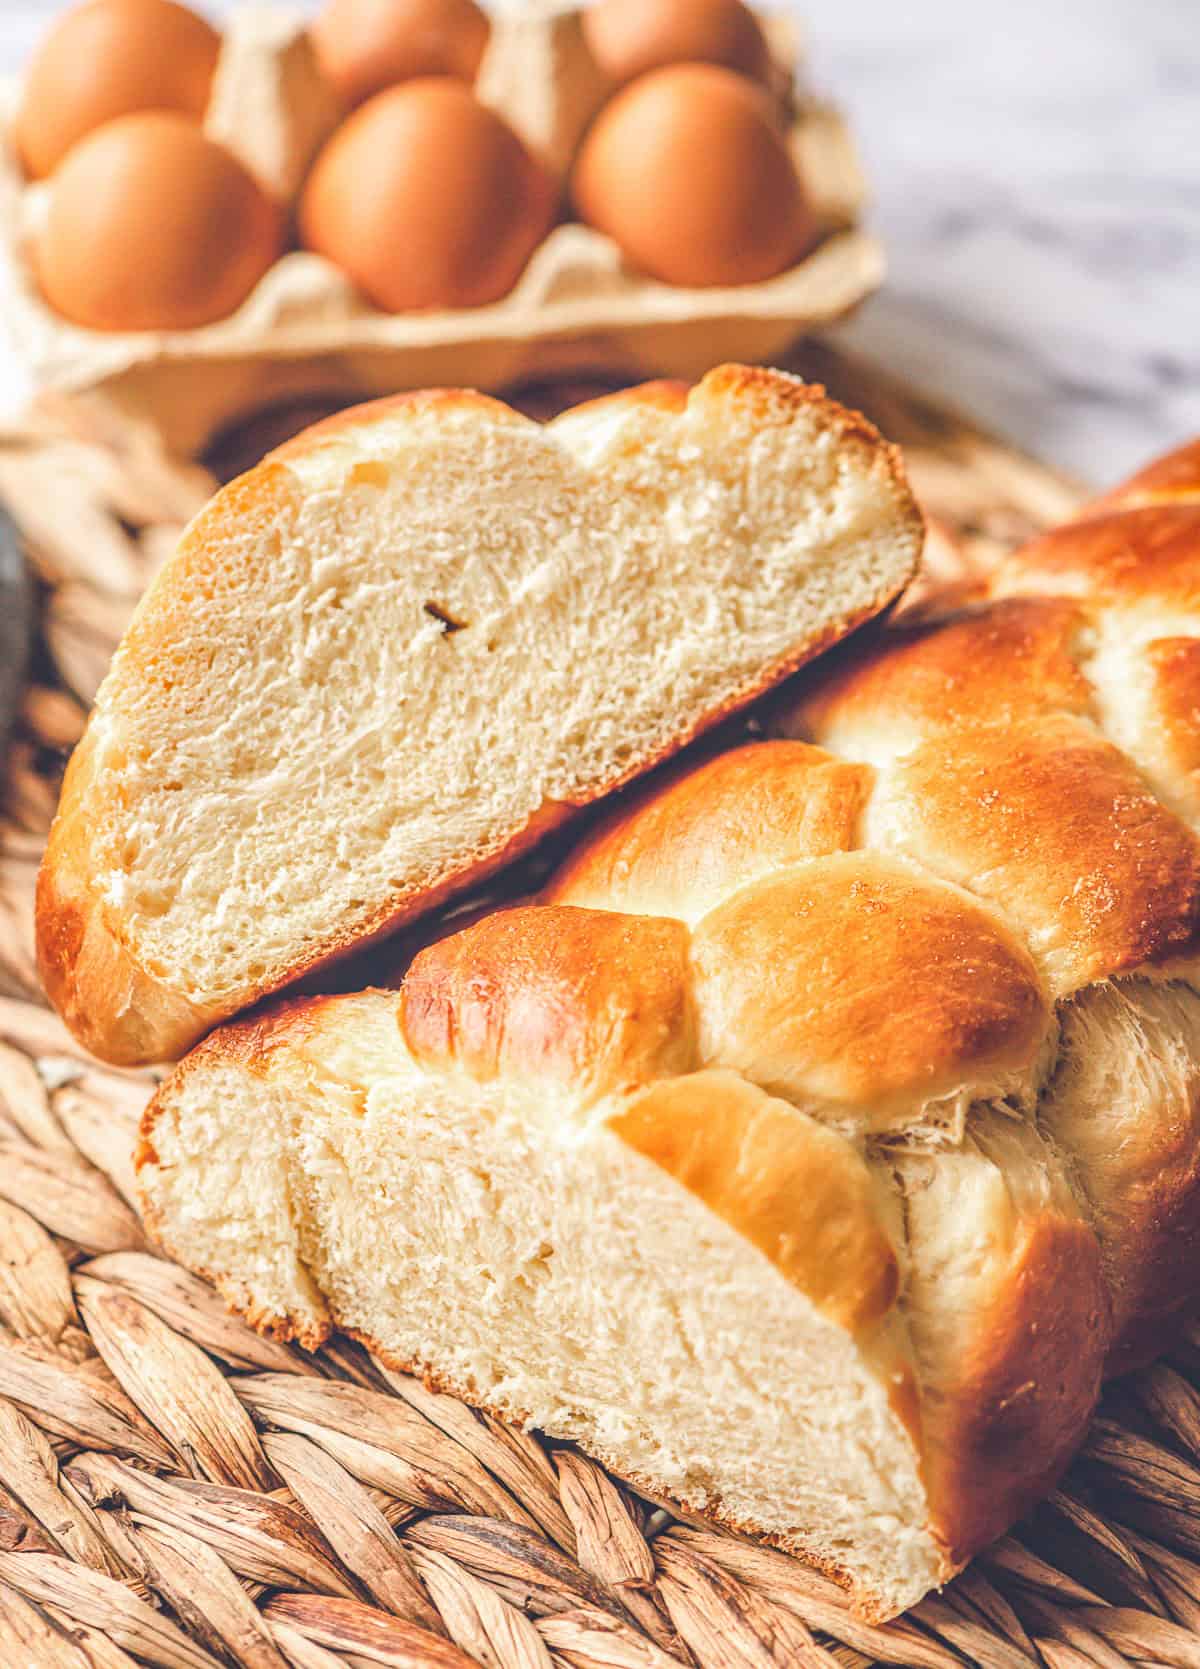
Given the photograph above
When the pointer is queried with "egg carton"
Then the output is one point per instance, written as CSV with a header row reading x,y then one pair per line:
x,y
306,330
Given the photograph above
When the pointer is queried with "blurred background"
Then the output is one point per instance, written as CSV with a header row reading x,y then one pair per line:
x,y
1036,177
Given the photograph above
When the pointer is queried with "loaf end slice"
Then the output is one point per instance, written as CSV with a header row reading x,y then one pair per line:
x,y
634,1278
420,635
522,1177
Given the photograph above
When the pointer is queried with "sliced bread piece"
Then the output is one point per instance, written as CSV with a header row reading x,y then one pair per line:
x,y
519,1179
414,639
536,1255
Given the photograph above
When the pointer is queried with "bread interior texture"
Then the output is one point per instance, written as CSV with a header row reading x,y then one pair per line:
x,y
418,642
549,1273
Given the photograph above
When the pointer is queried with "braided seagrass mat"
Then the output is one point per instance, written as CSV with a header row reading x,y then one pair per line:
x,y
178,1492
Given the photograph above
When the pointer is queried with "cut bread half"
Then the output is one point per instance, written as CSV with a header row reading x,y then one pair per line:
x,y
519,1179
414,639
553,1270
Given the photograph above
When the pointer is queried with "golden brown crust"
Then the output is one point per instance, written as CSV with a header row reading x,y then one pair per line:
x,y
774,398
1057,827
1017,1402
1144,554
689,841
885,991
341,423
1174,664
666,394
995,664
120,1009
594,1000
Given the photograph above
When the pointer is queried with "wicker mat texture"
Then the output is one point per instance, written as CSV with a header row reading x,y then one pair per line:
x,y
176,1491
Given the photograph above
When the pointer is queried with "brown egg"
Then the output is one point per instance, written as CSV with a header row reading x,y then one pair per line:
x,y
151,226
108,58
688,171
427,199
629,37
367,45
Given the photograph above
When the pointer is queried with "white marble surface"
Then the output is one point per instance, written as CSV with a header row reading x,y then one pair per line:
x,y
1036,167
1037,174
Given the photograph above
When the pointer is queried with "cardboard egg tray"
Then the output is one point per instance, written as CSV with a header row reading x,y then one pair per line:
x,y
307,331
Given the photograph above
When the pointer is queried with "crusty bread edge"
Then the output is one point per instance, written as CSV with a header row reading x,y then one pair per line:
x,y
79,956
1031,1384
82,958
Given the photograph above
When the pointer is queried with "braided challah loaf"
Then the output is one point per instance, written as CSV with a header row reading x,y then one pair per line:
x,y
832,1126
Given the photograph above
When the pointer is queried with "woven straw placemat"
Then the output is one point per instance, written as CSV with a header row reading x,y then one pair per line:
x,y
176,1491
